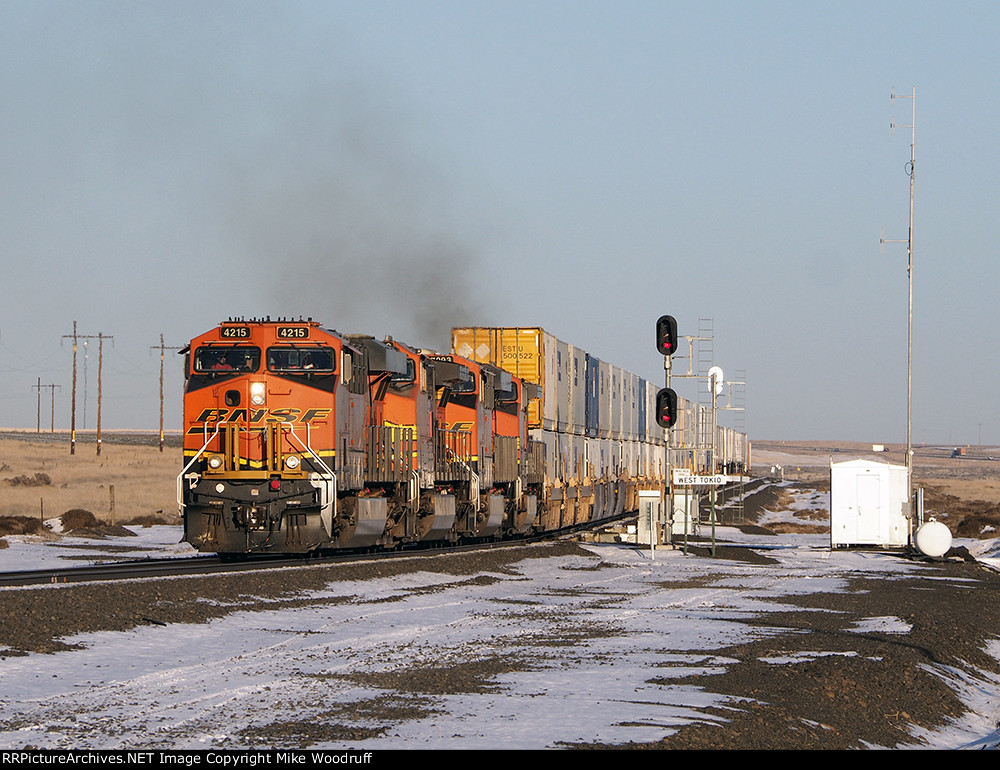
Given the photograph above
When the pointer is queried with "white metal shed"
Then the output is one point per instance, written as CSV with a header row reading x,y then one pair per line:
x,y
868,504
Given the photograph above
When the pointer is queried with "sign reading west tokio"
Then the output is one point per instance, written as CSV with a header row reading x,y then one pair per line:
x,y
682,477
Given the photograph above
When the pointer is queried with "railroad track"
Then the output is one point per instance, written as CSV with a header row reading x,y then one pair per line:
x,y
127,570
203,565
206,565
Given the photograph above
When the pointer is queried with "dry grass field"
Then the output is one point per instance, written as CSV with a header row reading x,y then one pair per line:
x,y
39,478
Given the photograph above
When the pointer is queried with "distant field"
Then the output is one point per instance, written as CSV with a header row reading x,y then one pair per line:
x,y
929,461
41,478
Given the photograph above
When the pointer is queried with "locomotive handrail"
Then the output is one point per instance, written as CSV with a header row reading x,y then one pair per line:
x,y
473,476
474,489
307,447
199,453
328,474
332,476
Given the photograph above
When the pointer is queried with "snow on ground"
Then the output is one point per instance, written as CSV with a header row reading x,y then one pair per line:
x,y
31,552
601,635
985,551
805,506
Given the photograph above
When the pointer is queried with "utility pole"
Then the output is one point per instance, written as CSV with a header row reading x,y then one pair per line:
x,y
162,348
909,272
100,365
52,387
72,421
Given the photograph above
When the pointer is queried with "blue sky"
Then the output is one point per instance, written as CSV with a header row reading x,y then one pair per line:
x,y
402,167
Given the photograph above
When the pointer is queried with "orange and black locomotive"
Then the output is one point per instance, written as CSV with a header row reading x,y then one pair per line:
x,y
301,439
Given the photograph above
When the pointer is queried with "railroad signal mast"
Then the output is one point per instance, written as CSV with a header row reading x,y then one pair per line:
x,y
666,415
666,411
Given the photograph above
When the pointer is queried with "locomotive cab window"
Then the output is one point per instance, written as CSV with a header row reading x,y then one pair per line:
x,y
301,360
460,390
464,383
402,381
508,400
226,358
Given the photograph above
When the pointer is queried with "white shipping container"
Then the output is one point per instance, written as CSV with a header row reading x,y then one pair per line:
x,y
577,390
562,381
604,394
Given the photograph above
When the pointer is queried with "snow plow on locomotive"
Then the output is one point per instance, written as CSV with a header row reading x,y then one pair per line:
x,y
299,439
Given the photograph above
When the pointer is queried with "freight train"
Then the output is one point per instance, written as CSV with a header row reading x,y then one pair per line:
x,y
300,439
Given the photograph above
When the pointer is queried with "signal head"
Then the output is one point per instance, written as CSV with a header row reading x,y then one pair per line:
x,y
666,335
666,408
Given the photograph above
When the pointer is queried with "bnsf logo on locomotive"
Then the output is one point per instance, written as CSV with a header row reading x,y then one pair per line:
x,y
291,415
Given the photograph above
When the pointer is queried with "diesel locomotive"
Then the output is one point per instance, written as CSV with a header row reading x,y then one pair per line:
x,y
300,439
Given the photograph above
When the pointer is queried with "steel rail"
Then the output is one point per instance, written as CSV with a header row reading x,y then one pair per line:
x,y
206,565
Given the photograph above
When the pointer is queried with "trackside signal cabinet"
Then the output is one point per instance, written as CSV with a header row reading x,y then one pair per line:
x,y
652,518
868,504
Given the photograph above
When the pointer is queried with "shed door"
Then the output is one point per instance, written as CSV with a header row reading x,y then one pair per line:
x,y
869,508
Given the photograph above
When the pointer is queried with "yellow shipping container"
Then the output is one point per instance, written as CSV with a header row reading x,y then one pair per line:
x,y
518,350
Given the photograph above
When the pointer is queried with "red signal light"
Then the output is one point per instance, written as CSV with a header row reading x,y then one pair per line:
x,y
666,408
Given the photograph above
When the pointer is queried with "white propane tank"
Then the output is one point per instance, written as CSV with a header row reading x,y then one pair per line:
x,y
933,538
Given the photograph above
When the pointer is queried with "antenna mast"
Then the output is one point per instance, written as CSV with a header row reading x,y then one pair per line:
x,y
909,272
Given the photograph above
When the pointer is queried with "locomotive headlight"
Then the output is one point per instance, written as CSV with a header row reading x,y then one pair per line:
x,y
292,462
257,393
215,462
